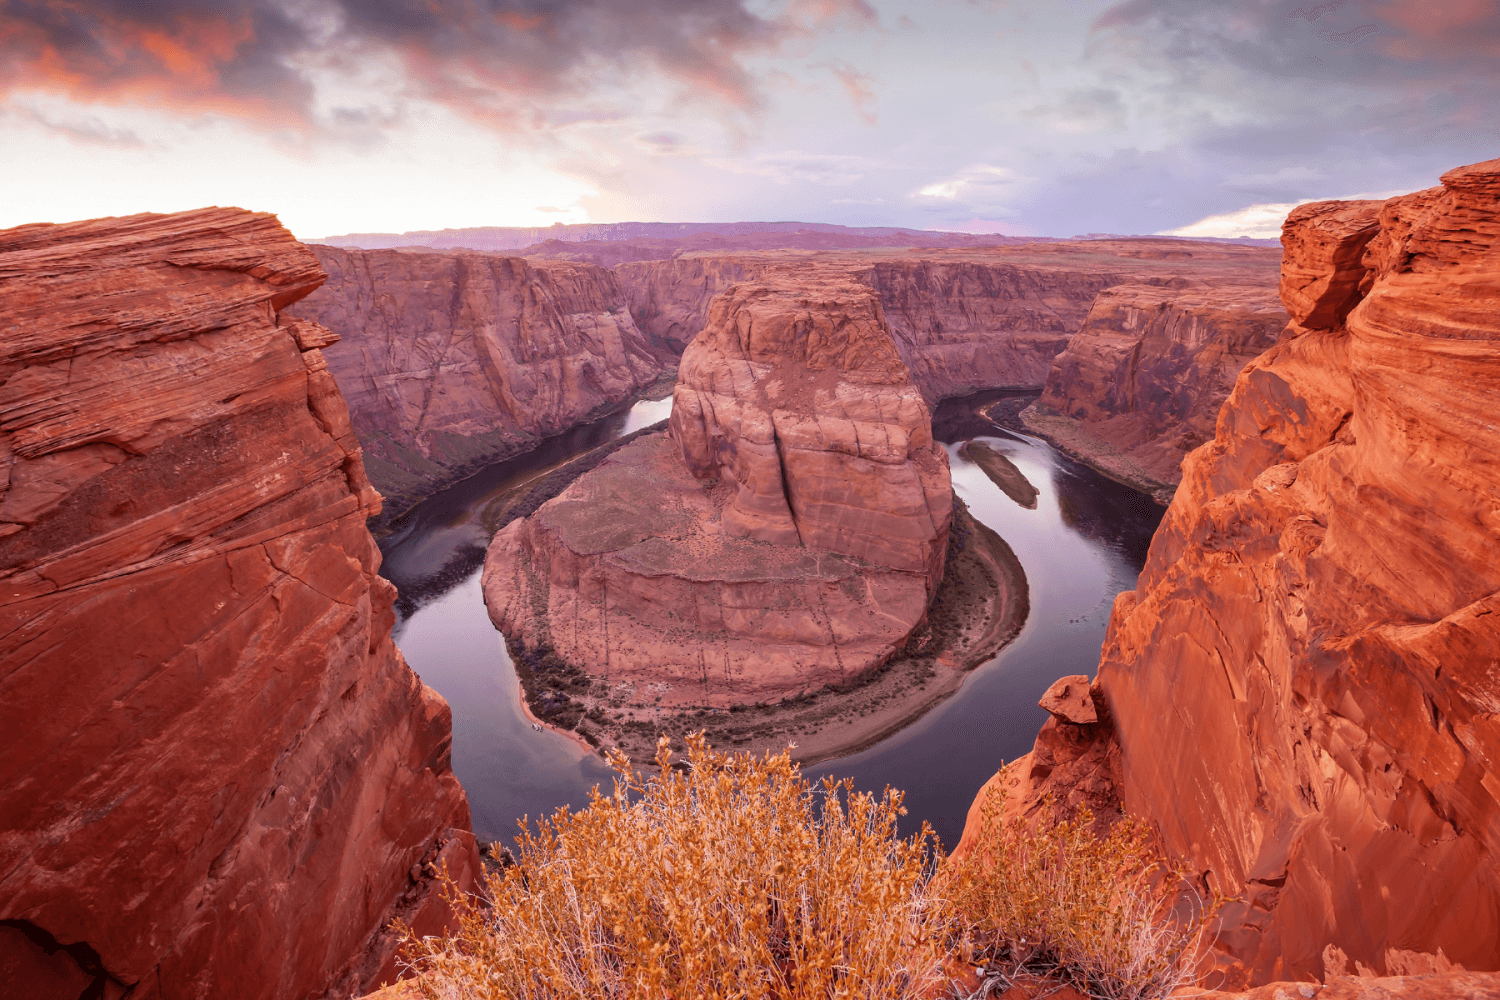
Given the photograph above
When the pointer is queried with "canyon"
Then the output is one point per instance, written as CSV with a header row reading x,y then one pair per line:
x,y
784,536
1318,610
1132,340
221,777
453,361
1298,693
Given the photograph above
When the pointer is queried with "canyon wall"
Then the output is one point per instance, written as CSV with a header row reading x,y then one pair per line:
x,y
1304,687
1141,382
220,779
966,320
966,325
788,534
453,361
669,298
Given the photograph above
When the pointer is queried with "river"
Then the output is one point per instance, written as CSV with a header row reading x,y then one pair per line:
x,y
1084,543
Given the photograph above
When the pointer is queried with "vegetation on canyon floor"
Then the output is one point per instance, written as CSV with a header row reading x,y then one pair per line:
x,y
731,876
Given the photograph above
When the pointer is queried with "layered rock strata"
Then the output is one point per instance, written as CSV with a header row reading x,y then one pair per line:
x,y
1319,609
221,778
963,320
452,361
1141,382
787,534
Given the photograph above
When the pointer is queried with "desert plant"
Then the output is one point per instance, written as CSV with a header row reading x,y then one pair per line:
x,y
1106,914
731,877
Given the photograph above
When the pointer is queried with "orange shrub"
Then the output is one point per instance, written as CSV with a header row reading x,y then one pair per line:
x,y
1107,915
731,878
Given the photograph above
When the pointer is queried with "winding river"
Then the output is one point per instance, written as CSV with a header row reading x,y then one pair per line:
x,y
1084,543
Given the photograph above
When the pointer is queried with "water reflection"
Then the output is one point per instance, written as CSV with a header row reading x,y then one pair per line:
x,y
1084,543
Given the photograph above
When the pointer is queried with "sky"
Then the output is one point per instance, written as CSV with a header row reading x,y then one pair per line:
x,y
1024,117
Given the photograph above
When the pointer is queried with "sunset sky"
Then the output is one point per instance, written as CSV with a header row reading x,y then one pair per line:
x,y
1032,117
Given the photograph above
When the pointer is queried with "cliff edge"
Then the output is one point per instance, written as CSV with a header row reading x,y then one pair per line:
x,y
221,778
1303,687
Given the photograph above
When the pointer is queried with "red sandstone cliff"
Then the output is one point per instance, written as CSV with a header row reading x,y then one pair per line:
x,y
963,320
220,779
787,535
452,361
1141,382
1303,686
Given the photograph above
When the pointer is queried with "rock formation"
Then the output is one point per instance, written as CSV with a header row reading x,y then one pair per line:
x,y
1141,382
1319,610
220,778
669,298
963,320
788,533
452,361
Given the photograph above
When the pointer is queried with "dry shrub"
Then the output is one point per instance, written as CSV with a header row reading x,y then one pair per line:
x,y
731,878
1105,914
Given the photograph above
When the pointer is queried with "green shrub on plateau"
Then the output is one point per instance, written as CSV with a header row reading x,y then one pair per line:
x,y
735,878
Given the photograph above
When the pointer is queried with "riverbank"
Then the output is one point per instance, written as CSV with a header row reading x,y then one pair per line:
x,y
400,502
1069,437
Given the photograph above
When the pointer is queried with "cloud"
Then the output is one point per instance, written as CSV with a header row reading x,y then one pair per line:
x,y
859,86
1256,221
981,182
261,60
794,166
1262,221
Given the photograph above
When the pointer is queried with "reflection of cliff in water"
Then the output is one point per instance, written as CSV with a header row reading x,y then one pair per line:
x,y
1097,507
961,418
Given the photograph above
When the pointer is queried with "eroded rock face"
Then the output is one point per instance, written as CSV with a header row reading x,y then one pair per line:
x,y
787,534
452,361
221,778
1141,382
1320,607
669,298
963,320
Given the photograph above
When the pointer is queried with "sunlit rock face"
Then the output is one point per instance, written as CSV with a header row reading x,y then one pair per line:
x,y
220,778
1306,681
787,533
453,361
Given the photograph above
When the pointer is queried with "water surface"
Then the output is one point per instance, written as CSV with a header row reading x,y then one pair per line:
x,y
1083,544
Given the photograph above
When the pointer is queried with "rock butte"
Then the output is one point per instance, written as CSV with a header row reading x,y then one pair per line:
x,y
453,361
1319,609
221,778
788,533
